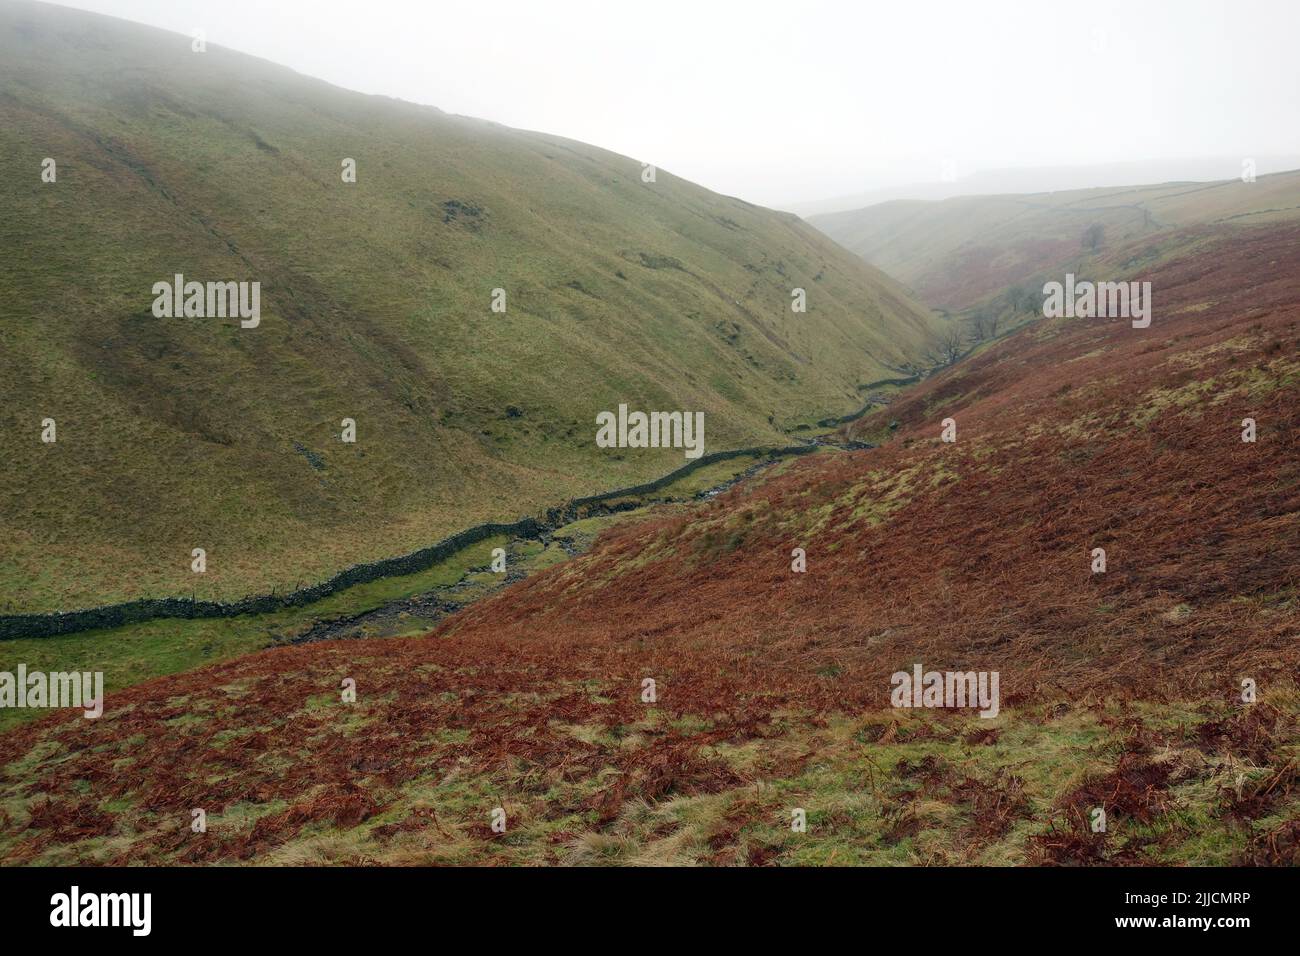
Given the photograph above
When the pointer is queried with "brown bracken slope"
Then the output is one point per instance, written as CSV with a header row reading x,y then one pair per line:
x,y
1071,435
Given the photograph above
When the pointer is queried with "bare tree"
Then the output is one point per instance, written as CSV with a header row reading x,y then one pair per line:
x,y
1022,299
1093,237
948,347
983,323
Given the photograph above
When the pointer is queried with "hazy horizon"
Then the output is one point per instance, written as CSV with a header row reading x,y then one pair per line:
x,y
399,473
788,108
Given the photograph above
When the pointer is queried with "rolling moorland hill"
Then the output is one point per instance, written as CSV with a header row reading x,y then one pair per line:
x,y
1120,689
958,252
180,433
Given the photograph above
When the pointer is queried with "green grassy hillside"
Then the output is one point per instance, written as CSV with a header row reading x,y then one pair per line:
x,y
958,252
180,433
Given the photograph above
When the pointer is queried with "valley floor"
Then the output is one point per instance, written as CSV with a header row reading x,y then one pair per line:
x,y
1121,690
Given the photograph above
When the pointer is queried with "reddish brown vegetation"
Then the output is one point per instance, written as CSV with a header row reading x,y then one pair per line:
x,y
983,565
1137,788
971,274
1278,847
989,568
1249,733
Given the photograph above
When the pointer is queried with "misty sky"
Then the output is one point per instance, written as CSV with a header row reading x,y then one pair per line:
x,y
784,102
